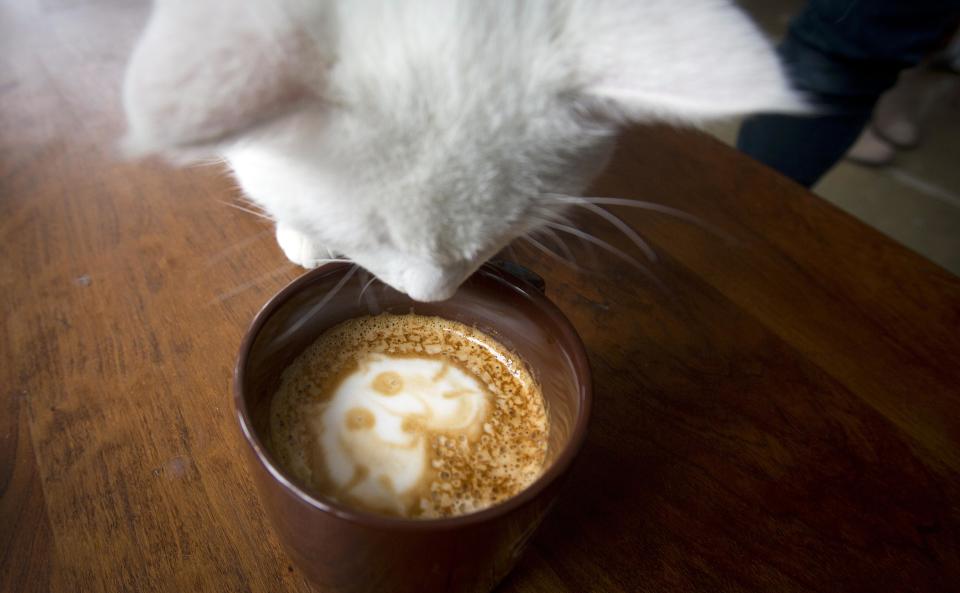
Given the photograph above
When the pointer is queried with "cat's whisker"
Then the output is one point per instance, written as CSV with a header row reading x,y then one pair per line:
x,y
303,319
550,253
252,205
225,296
207,161
643,205
552,215
622,227
610,249
238,246
239,195
544,227
374,308
559,242
373,305
248,211
366,286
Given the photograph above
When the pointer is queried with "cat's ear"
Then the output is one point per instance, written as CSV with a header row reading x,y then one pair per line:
x,y
683,61
204,72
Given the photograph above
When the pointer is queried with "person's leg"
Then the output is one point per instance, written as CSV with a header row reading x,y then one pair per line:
x,y
843,54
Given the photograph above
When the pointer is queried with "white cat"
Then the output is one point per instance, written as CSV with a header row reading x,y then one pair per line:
x,y
419,137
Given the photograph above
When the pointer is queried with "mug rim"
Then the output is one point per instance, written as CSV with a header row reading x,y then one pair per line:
x,y
578,358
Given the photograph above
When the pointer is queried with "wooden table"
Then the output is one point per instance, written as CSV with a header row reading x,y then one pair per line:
x,y
785,417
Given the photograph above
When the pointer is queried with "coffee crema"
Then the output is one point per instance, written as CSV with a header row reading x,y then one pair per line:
x,y
409,415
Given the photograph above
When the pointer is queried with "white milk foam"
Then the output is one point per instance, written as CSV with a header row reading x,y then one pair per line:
x,y
377,417
410,415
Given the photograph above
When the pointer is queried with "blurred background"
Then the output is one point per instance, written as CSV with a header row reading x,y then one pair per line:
x,y
916,198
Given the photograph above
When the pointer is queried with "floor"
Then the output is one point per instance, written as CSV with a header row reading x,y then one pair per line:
x,y
916,200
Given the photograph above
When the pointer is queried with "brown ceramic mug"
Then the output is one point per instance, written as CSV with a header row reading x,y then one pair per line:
x,y
347,550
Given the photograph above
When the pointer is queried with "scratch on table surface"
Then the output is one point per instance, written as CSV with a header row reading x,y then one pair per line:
x,y
176,467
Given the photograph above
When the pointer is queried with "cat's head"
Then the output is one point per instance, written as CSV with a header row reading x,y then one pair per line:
x,y
419,138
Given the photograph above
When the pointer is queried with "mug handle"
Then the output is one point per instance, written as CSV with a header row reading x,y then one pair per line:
x,y
521,272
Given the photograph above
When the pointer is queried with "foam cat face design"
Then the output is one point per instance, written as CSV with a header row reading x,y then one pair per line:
x,y
374,430
419,138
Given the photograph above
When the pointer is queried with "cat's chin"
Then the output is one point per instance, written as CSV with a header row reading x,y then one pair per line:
x,y
432,295
422,282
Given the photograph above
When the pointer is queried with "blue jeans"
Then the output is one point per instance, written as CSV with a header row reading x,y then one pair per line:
x,y
843,54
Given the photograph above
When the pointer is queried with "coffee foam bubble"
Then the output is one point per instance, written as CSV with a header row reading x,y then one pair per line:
x,y
410,415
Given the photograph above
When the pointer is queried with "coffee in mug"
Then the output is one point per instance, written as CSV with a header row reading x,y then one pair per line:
x,y
411,416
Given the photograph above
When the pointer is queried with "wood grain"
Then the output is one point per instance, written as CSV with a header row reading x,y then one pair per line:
x,y
784,417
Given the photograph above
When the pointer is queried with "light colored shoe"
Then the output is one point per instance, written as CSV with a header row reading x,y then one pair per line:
x,y
900,132
871,150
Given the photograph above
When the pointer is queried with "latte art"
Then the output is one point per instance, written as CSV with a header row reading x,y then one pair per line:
x,y
374,431
409,415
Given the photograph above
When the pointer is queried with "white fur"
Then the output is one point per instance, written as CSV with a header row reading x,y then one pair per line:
x,y
418,137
